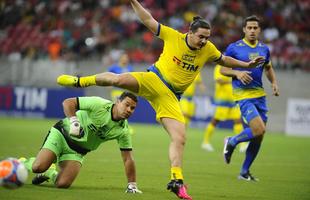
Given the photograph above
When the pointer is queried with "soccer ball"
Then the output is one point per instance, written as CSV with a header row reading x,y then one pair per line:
x,y
13,173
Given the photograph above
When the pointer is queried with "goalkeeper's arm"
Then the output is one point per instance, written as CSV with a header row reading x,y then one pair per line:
x,y
130,171
70,106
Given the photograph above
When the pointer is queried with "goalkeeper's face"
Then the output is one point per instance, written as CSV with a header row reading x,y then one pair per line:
x,y
124,108
199,38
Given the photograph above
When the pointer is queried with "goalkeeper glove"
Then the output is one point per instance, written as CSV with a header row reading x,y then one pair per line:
x,y
75,127
132,188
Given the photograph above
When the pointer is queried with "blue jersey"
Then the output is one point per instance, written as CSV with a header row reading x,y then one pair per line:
x,y
119,70
242,50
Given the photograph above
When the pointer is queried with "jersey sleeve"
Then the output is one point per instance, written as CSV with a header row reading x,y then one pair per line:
x,y
166,32
130,68
111,69
125,140
214,54
229,51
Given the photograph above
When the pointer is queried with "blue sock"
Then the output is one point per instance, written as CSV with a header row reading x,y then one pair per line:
x,y
244,136
250,155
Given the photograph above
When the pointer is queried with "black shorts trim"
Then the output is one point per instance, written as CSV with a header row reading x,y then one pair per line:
x,y
126,149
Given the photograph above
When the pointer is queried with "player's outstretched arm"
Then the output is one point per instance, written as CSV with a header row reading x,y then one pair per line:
x,y
130,171
145,16
228,61
243,76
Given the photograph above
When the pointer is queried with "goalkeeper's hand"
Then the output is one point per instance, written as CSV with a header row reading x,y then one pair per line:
x,y
132,188
75,127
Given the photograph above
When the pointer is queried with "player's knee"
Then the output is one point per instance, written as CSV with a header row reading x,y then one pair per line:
x,y
180,139
62,184
38,167
259,131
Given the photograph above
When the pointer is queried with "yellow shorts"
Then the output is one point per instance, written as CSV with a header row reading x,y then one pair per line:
x,y
187,107
162,99
223,113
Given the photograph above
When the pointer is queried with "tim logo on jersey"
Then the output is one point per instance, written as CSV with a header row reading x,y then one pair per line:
x,y
252,56
185,65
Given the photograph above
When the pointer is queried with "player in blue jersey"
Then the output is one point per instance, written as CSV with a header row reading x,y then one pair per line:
x,y
122,66
249,93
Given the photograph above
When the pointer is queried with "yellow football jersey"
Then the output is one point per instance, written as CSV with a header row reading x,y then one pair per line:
x,y
178,63
190,91
223,92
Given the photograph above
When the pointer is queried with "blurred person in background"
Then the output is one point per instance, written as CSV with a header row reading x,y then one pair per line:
x,y
249,94
182,59
122,66
226,109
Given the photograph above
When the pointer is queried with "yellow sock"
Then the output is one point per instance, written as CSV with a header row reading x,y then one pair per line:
x,y
87,81
208,133
176,173
238,128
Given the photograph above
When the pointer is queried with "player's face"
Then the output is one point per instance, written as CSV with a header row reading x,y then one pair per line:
x,y
124,60
125,108
251,31
200,38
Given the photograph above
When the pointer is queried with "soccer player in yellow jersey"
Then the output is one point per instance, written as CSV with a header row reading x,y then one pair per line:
x,y
182,58
187,103
226,109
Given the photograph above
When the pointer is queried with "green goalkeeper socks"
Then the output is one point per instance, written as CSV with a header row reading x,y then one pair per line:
x,y
27,162
51,172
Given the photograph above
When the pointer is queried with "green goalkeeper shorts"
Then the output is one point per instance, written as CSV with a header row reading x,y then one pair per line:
x,y
56,142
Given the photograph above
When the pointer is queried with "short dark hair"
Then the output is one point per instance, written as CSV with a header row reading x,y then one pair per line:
x,y
128,94
199,22
251,19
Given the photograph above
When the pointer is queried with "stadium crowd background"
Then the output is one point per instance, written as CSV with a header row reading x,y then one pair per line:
x,y
72,30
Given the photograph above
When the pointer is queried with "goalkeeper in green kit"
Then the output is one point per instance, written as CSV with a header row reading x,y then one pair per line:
x,y
89,122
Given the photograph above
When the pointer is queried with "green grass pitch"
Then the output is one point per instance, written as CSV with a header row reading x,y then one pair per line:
x,y
283,167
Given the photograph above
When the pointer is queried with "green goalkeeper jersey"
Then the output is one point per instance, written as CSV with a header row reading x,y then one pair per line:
x,y
95,116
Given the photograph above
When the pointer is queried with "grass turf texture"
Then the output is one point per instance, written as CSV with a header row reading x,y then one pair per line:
x,y
282,167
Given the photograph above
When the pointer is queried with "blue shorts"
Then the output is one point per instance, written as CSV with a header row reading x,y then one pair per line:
x,y
251,108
